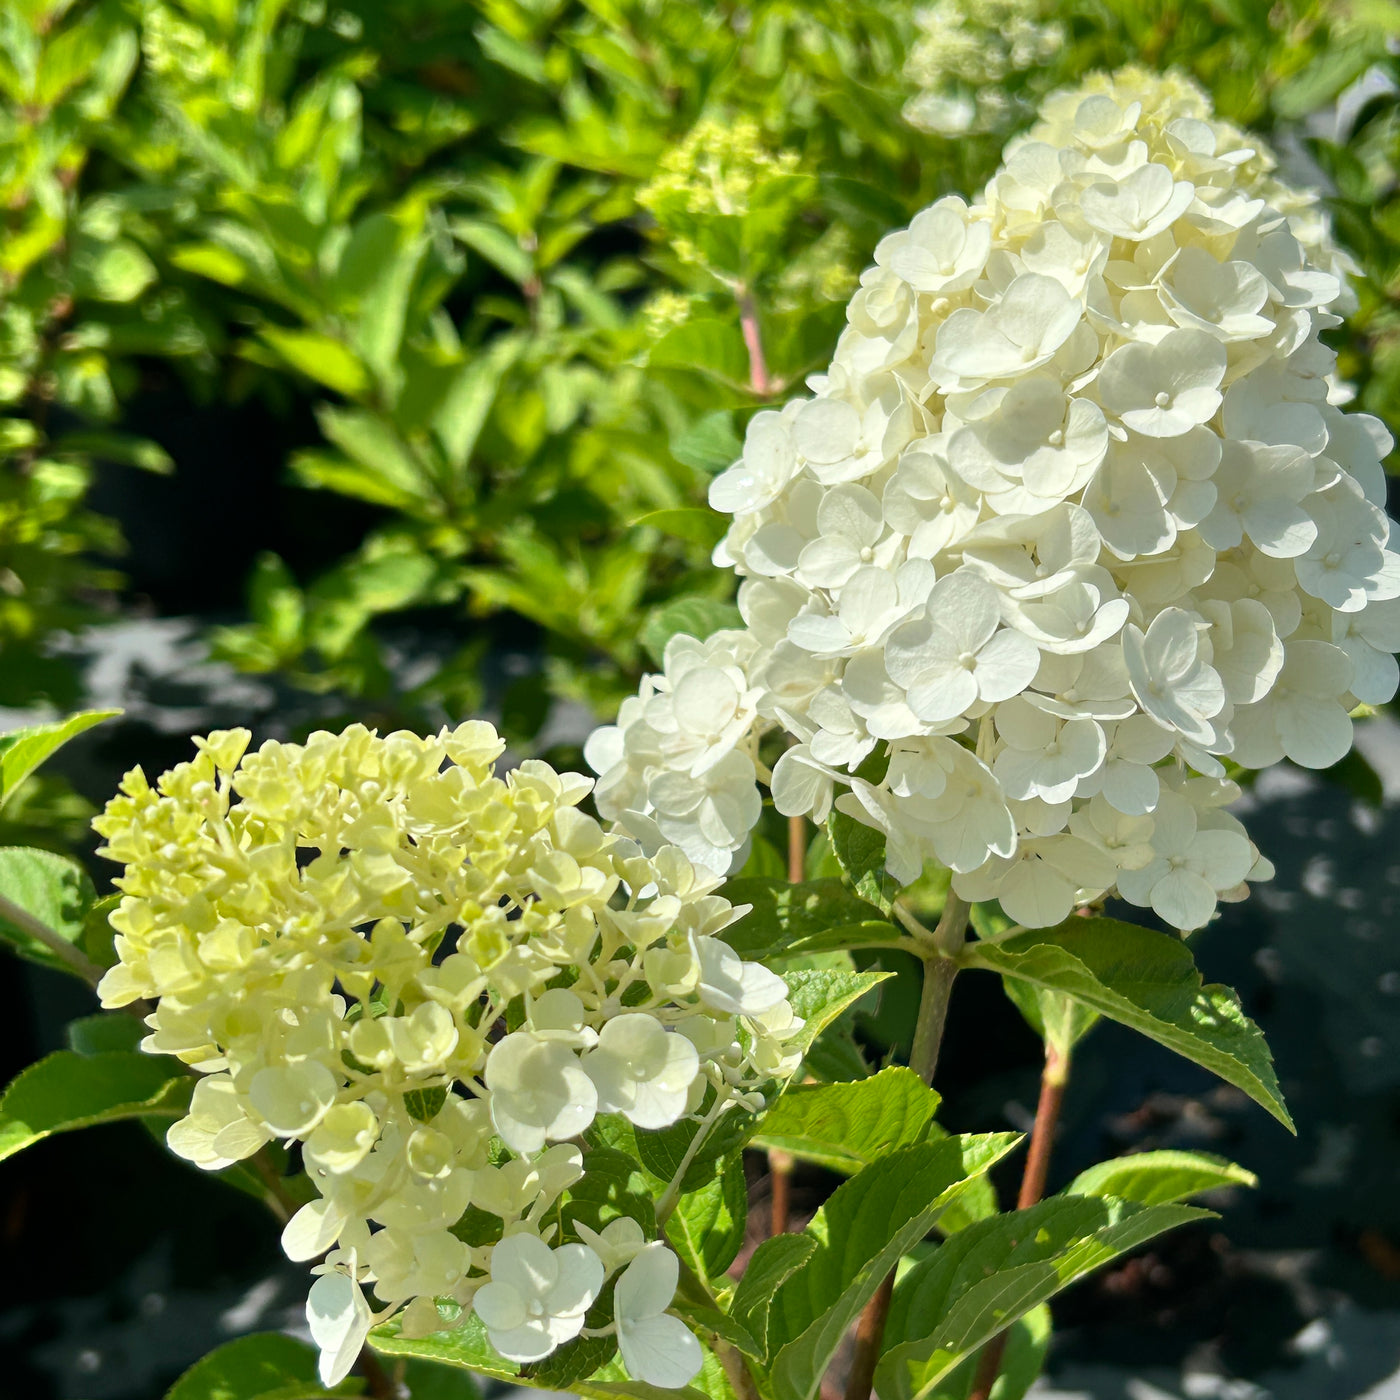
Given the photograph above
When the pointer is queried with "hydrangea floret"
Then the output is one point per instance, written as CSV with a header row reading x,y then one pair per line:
x,y
433,979
1074,520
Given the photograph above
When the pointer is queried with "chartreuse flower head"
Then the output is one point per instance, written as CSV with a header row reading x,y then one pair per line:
x,y
1074,519
433,978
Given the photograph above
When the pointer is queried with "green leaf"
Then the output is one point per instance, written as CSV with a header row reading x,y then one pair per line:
x,y
497,246
117,271
1058,1020
371,442
54,889
691,523
691,614
467,403
850,1126
1149,981
860,851
1320,81
321,358
977,1202
714,347
707,1226
861,1231
799,341
708,1322
378,267
466,1346
66,1090
820,997
264,1366
663,1150
424,1105
426,1380
769,1267
613,1185
1157,1178
578,1358
211,260
125,448
23,750
709,444
1027,1341
817,916
326,471
982,1279
108,1030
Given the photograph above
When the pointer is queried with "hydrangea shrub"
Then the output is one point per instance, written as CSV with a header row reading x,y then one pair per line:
x,y
1073,529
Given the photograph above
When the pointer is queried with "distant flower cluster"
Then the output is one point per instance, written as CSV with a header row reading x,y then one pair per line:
x,y
1073,518
965,55
433,979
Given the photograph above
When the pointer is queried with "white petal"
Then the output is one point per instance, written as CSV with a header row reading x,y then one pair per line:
x,y
660,1351
339,1319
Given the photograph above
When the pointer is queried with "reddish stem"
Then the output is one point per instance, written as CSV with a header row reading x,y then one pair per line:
x,y
1047,1116
780,1163
797,849
870,1332
753,340
780,1181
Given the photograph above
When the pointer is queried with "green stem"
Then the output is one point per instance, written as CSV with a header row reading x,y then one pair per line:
x,y
23,920
940,968
666,1203
939,972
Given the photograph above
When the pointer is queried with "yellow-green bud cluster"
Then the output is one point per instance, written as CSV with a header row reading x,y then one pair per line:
x,y
429,976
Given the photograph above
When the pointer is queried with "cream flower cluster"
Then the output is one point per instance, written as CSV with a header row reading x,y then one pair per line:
x,y
1073,517
965,52
433,979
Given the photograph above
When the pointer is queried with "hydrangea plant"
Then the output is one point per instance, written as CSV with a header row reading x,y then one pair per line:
x,y
1073,530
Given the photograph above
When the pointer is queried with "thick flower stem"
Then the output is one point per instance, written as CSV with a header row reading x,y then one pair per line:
x,y
940,969
1053,1079
939,972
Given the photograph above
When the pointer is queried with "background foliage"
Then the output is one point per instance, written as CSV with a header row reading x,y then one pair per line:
x,y
398,335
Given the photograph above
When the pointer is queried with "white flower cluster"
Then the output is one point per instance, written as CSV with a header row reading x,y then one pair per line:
x,y
1073,517
965,52
433,979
